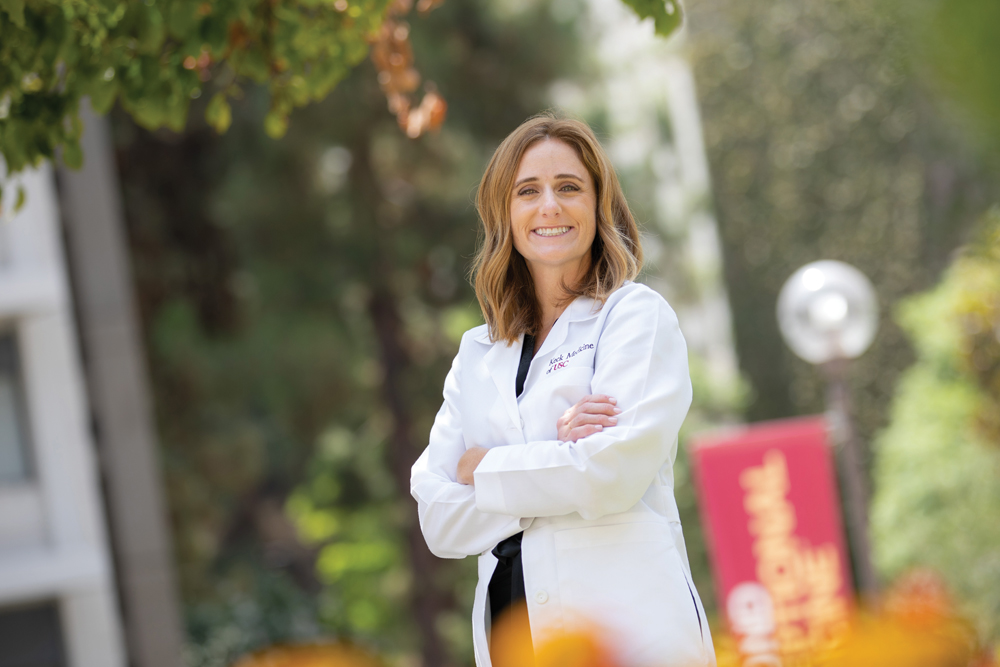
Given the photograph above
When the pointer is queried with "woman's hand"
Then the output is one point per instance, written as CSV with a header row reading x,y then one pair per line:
x,y
590,415
468,464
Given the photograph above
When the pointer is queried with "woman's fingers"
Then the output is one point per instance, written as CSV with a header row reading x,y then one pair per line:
x,y
595,404
600,409
597,398
590,414
592,418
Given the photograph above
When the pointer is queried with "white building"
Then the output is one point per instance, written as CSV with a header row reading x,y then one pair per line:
x,y
72,592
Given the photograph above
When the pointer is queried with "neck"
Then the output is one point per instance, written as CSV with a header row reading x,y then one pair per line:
x,y
552,297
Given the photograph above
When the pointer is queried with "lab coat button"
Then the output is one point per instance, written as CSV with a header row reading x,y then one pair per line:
x,y
541,597
522,422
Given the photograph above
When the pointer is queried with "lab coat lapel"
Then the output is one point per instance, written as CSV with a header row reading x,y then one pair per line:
x,y
501,362
582,308
502,359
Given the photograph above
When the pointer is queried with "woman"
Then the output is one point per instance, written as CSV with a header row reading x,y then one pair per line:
x,y
570,490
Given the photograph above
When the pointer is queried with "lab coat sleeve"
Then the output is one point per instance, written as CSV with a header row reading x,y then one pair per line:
x,y
451,523
641,360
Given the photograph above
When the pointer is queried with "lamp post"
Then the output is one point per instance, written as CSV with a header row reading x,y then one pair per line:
x,y
828,315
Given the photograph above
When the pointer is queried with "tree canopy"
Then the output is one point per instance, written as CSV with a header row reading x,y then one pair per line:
x,y
156,56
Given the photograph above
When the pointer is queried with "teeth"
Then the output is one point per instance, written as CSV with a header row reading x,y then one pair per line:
x,y
551,231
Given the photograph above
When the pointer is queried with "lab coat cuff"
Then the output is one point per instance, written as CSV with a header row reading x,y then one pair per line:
x,y
489,490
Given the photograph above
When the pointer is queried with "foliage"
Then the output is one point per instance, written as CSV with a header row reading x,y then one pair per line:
x,y
978,308
667,15
939,460
263,609
154,57
955,45
392,54
823,145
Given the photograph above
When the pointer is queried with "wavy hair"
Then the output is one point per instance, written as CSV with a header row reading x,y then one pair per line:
x,y
504,286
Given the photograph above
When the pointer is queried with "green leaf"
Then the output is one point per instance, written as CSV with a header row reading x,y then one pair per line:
x,y
102,96
275,124
72,155
21,198
219,114
14,9
667,15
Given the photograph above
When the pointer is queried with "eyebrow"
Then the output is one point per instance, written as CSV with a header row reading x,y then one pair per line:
x,y
558,176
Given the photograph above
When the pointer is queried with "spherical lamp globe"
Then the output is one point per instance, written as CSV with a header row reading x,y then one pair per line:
x,y
828,310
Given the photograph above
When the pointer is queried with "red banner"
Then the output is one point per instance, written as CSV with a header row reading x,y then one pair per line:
x,y
770,508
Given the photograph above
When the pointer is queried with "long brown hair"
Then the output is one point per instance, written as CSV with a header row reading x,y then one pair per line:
x,y
503,283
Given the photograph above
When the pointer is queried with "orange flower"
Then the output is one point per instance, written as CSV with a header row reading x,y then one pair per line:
x,y
882,641
337,654
511,645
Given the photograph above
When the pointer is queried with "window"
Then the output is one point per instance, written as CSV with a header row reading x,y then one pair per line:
x,y
31,637
14,461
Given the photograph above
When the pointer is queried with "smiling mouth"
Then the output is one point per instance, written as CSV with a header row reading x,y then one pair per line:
x,y
551,231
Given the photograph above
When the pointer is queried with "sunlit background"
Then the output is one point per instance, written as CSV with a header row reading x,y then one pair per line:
x,y
262,323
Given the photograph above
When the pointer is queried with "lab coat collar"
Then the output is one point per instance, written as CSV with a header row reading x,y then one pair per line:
x,y
502,359
582,308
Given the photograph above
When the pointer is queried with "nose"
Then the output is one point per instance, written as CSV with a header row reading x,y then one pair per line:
x,y
550,203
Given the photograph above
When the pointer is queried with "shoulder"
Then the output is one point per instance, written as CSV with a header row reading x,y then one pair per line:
x,y
639,303
470,349
480,334
475,342
638,319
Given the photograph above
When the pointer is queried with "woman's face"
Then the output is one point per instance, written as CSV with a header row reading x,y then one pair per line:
x,y
553,210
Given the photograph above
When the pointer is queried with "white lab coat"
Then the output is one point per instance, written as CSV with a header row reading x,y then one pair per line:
x,y
602,536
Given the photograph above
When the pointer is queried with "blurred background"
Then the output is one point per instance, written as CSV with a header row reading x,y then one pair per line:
x,y
221,352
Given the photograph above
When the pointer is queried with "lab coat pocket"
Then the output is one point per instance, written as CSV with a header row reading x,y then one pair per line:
x,y
628,580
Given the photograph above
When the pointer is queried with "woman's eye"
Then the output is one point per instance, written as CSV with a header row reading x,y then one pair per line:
x,y
569,188
527,191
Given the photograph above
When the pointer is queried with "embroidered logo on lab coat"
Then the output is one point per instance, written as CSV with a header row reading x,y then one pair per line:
x,y
562,361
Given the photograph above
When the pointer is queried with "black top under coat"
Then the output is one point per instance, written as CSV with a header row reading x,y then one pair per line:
x,y
507,583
